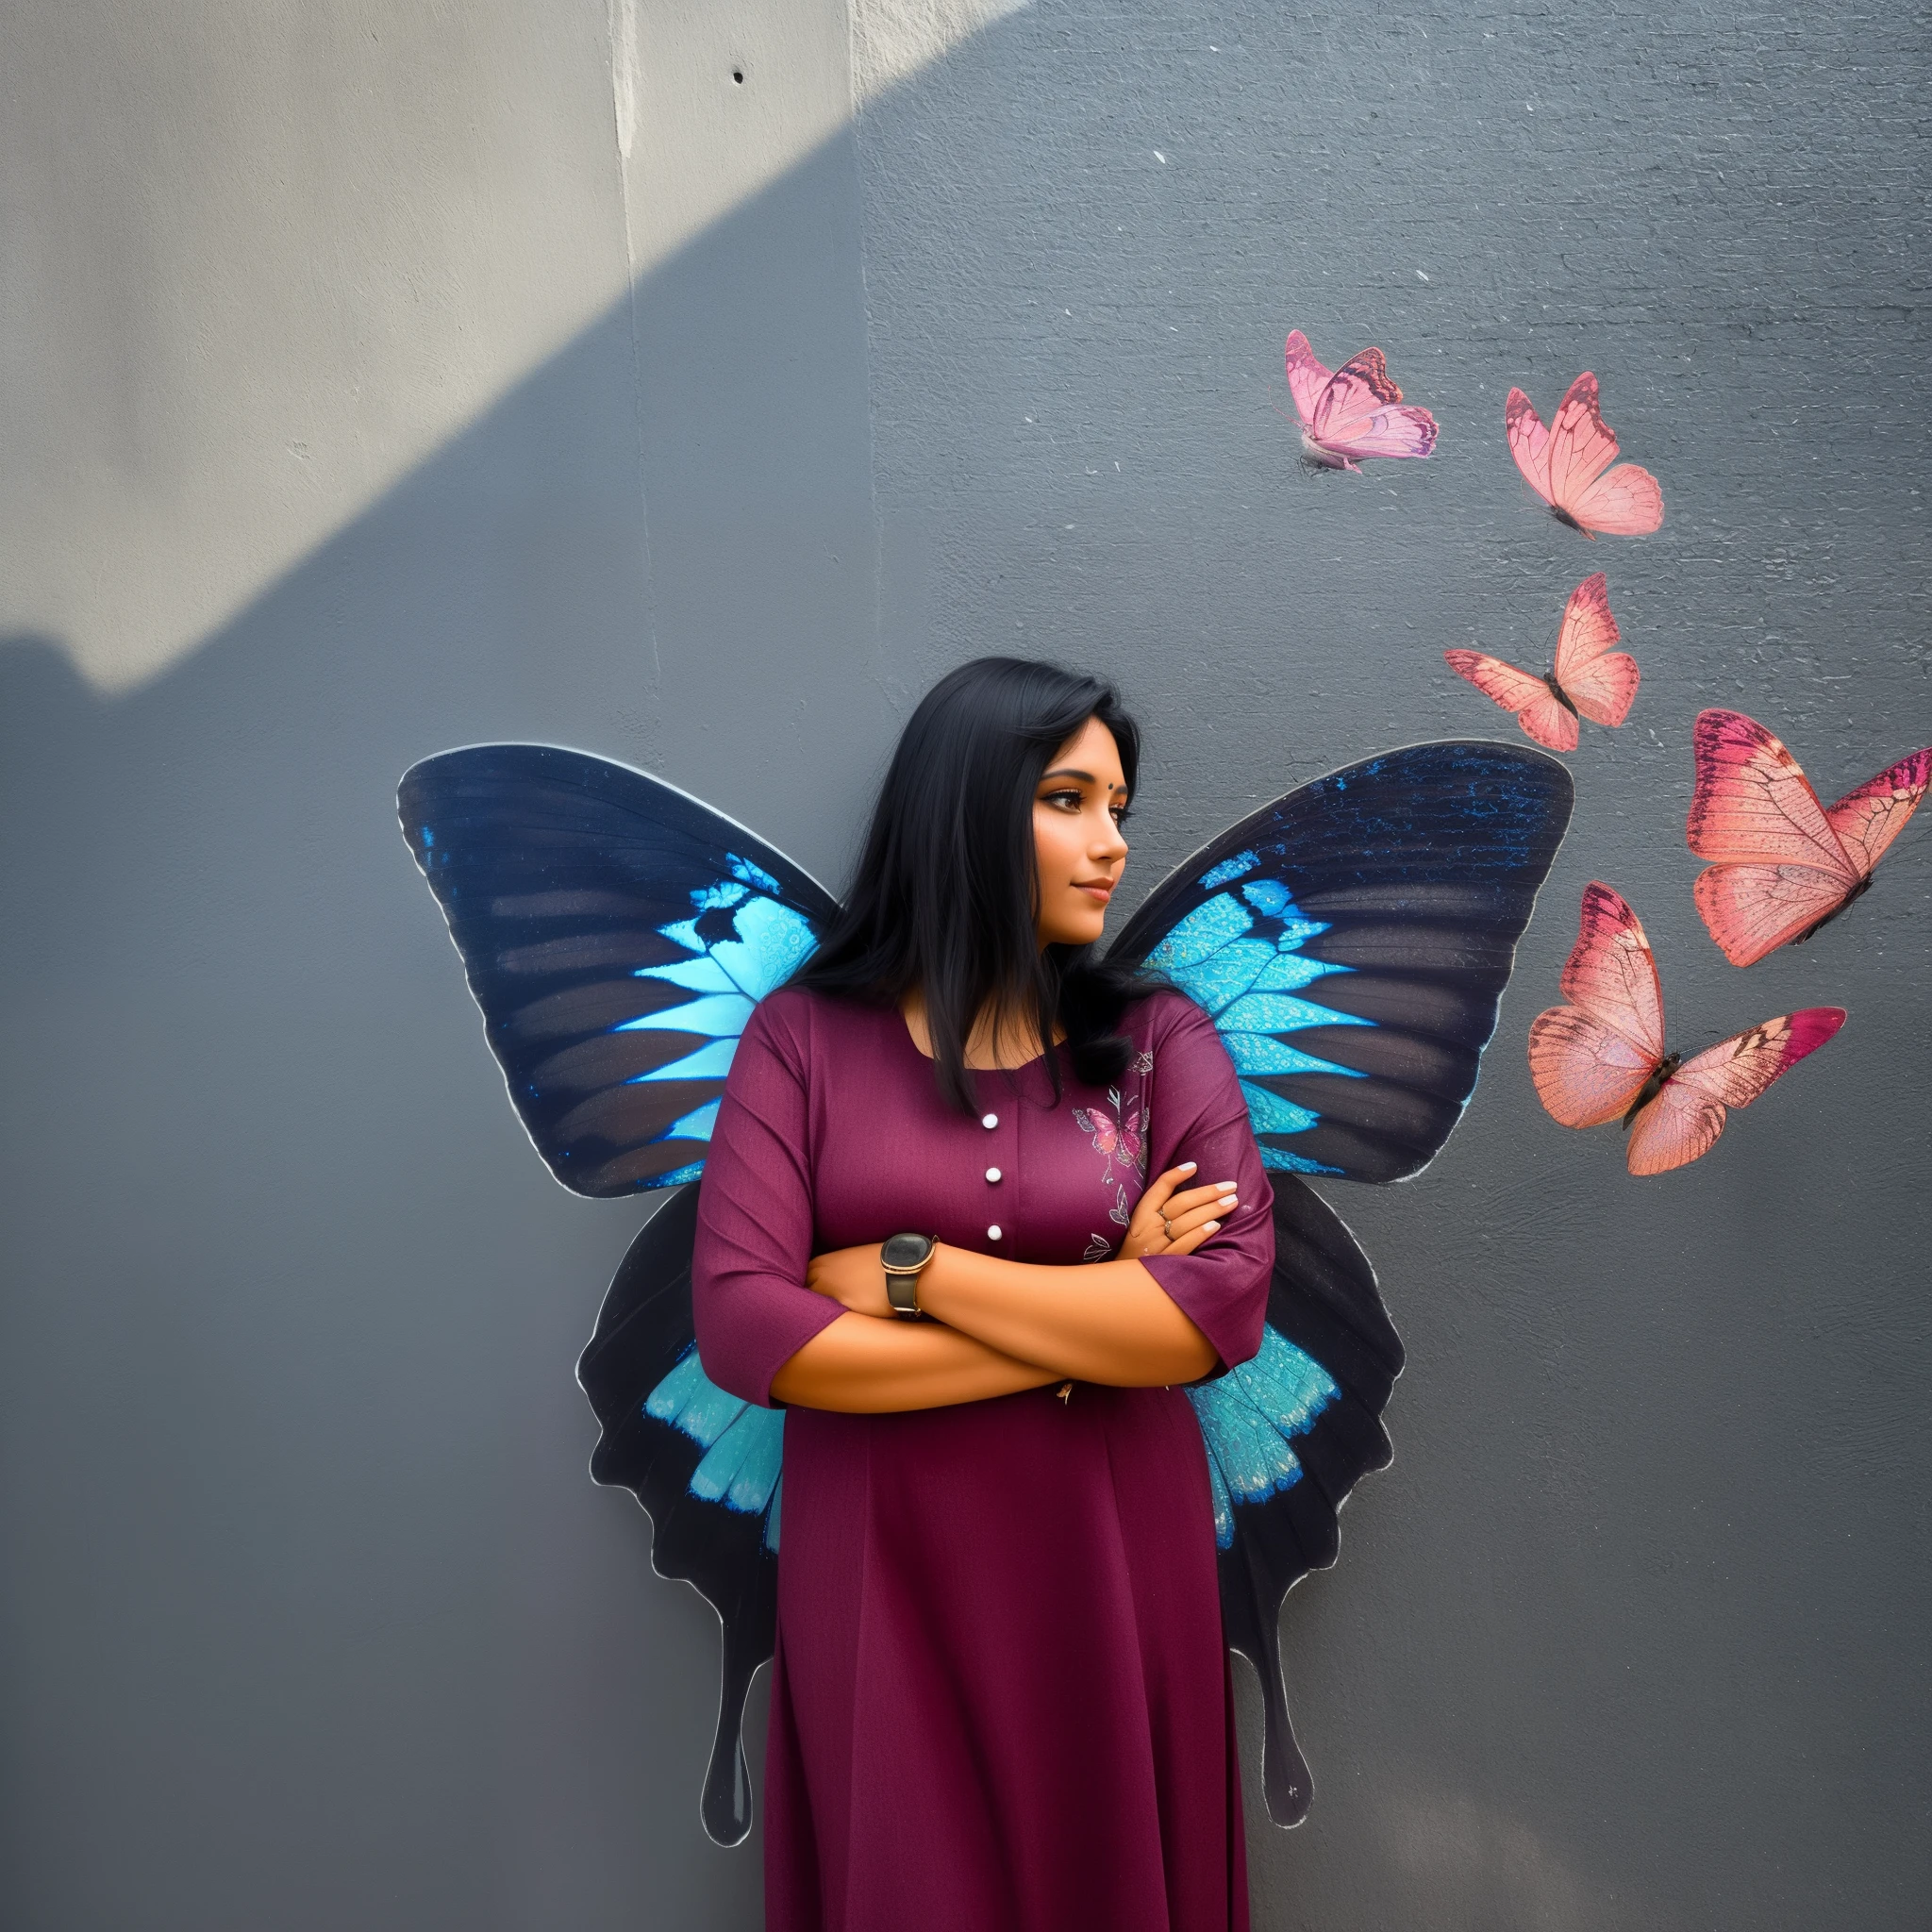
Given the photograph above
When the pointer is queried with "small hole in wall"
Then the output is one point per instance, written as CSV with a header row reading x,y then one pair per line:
x,y
738,75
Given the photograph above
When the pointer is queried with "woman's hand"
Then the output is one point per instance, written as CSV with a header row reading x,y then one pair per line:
x,y
1173,1218
852,1277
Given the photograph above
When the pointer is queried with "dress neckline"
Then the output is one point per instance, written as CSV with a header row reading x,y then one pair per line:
x,y
904,1030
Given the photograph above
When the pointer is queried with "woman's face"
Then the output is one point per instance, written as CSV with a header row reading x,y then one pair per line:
x,y
1078,850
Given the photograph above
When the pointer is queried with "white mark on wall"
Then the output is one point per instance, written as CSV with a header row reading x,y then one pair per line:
x,y
623,71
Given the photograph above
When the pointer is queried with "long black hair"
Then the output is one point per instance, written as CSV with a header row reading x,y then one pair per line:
x,y
946,894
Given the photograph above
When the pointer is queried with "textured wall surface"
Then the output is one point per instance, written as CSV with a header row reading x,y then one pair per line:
x,y
683,418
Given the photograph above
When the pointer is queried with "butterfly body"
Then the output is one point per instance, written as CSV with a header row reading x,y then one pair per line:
x,y
1844,905
1590,678
1603,1057
1315,457
1784,864
1354,411
1652,1086
1568,465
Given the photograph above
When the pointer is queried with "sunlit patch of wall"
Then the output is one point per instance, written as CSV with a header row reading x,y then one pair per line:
x,y
263,261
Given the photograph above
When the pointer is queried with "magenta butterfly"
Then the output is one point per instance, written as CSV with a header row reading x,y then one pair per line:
x,y
1356,411
1119,1136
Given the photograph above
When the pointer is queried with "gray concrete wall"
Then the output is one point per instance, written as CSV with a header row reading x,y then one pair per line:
x,y
376,378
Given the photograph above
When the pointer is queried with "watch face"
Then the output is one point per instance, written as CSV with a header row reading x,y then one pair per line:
x,y
907,1249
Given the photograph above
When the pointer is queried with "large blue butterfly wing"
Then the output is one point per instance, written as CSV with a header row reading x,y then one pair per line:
x,y
1352,942
1289,1434
705,1465
616,933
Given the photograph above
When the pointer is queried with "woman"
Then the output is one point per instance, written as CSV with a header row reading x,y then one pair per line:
x,y
1000,1693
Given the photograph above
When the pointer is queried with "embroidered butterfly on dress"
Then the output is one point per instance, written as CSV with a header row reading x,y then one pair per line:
x,y
1356,411
1120,1134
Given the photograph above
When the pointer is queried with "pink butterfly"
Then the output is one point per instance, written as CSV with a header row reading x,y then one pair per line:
x,y
1592,677
1114,1137
1604,1056
1784,864
1354,411
1564,465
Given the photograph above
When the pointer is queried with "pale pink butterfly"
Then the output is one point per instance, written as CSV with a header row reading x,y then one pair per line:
x,y
1356,411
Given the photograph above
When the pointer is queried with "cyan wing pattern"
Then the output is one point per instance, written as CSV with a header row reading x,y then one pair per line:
x,y
1289,1434
1352,940
705,1464
617,933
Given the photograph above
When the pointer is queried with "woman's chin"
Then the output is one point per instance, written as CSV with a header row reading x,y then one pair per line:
x,y
1077,929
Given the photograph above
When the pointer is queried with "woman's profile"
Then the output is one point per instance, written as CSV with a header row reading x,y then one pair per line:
x,y
1000,1696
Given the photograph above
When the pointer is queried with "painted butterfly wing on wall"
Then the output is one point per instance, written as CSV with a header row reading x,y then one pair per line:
x,y
705,1465
1569,465
1351,941
1590,678
1289,1434
1783,862
1354,411
1604,1054
617,934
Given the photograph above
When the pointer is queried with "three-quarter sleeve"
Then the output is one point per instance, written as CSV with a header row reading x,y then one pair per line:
x,y
1199,1114
755,1214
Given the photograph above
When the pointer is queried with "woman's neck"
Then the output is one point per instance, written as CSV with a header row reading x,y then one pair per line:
x,y
999,1038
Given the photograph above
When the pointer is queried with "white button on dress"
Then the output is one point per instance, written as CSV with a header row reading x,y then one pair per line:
x,y
993,1173
992,1234
989,1120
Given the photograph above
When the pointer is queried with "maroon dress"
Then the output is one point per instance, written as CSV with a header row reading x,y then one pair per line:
x,y
1000,1698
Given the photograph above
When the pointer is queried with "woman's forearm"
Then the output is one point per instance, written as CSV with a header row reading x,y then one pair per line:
x,y
1096,1322
866,1365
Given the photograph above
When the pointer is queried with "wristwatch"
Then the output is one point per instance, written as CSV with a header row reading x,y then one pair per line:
x,y
902,1257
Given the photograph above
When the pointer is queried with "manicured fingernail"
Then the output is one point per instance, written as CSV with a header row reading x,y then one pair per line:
x,y
1227,1187
1185,1167
1212,1227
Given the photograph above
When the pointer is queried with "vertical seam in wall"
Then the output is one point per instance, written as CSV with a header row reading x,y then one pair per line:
x,y
621,25
856,123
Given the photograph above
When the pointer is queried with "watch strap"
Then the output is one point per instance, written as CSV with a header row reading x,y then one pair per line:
x,y
902,1271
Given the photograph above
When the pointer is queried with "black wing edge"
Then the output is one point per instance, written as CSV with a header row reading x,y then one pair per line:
x,y
1323,1298
643,1327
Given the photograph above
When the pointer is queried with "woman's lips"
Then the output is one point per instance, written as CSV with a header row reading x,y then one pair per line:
x,y
1101,888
